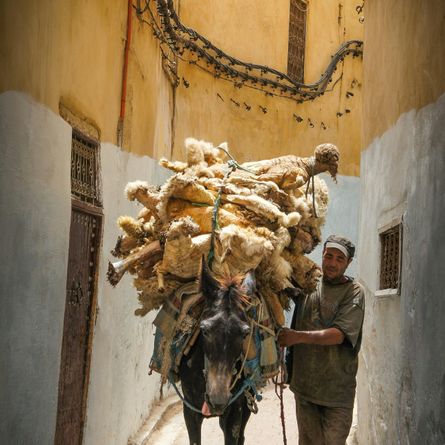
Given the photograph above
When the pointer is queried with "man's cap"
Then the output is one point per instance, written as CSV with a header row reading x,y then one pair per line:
x,y
341,243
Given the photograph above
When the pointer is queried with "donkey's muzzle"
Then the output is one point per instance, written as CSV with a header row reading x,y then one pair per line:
x,y
216,409
218,388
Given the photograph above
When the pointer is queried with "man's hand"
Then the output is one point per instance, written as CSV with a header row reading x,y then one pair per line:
x,y
287,337
331,336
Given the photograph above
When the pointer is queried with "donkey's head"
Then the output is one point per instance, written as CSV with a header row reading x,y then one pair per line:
x,y
224,327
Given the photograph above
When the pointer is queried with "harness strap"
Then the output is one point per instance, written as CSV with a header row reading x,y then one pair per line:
x,y
184,400
247,384
265,328
245,357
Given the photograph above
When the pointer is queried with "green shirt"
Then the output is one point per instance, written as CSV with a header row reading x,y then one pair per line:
x,y
325,375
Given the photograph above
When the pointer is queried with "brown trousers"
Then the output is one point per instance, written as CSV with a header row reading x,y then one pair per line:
x,y
322,425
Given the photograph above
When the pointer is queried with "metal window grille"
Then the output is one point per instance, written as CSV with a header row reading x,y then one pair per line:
x,y
297,40
390,261
85,169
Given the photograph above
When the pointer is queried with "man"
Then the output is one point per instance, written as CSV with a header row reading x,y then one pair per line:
x,y
325,340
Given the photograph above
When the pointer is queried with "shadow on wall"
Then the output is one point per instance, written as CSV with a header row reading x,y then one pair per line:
x,y
343,214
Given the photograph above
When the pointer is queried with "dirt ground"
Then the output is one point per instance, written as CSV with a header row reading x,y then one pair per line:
x,y
166,424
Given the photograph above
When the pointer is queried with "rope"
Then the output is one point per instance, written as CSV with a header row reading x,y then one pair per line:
x,y
247,384
238,375
215,224
232,165
233,161
281,386
184,400
265,328
312,177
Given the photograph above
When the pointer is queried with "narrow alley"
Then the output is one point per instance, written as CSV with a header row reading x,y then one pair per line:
x,y
176,175
166,424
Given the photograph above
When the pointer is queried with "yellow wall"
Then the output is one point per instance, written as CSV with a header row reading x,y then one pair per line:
x,y
257,31
72,52
404,44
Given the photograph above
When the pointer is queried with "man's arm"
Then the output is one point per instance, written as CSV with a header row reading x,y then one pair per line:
x,y
330,336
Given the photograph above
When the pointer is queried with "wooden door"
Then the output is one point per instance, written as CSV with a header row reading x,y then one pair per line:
x,y
79,319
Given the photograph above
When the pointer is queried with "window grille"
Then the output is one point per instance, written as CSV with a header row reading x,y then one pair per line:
x,y
85,169
297,40
390,257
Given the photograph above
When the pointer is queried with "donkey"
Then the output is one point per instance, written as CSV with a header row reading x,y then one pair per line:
x,y
211,368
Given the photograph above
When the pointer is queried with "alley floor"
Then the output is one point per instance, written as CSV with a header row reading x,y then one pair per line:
x,y
166,426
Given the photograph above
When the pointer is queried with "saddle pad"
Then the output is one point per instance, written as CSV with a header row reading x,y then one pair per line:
x,y
177,321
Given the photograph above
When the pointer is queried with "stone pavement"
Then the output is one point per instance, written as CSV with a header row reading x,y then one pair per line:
x,y
166,426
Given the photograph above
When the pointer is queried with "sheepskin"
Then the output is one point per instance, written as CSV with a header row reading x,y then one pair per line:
x,y
265,221
240,249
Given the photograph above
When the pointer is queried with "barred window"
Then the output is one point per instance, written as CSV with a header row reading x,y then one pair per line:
x,y
84,169
390,257
297,40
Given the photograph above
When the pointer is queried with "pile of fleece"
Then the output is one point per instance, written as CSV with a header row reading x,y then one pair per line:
x,y
263,216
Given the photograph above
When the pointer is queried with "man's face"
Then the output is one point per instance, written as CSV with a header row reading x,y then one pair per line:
x,y
334,264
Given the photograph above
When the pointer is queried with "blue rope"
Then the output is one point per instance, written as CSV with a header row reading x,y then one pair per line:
x,y
189,405
247,383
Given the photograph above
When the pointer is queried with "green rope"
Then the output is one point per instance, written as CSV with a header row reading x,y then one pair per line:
x,y
233,162
200,204
232,165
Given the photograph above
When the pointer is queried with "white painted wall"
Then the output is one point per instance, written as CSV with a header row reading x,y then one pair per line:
x,y
342,216
35,203
35,208
341,219
121,391
401,390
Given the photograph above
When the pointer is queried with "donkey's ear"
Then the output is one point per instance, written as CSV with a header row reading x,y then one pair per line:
x,y
249,283
209,286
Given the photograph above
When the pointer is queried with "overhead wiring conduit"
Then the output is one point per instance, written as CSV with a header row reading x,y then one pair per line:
x,y
193,48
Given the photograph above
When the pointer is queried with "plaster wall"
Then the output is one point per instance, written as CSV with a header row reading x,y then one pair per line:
x,y
121,391
341,219
35,207
257,32
73,53
401,390
403,62
342,216
35,203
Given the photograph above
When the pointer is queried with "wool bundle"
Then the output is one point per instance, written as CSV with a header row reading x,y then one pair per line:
x,y
263,216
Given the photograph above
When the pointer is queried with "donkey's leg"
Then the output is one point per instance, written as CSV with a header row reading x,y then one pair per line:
x,y
193,386
245,419
193,421
233,422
